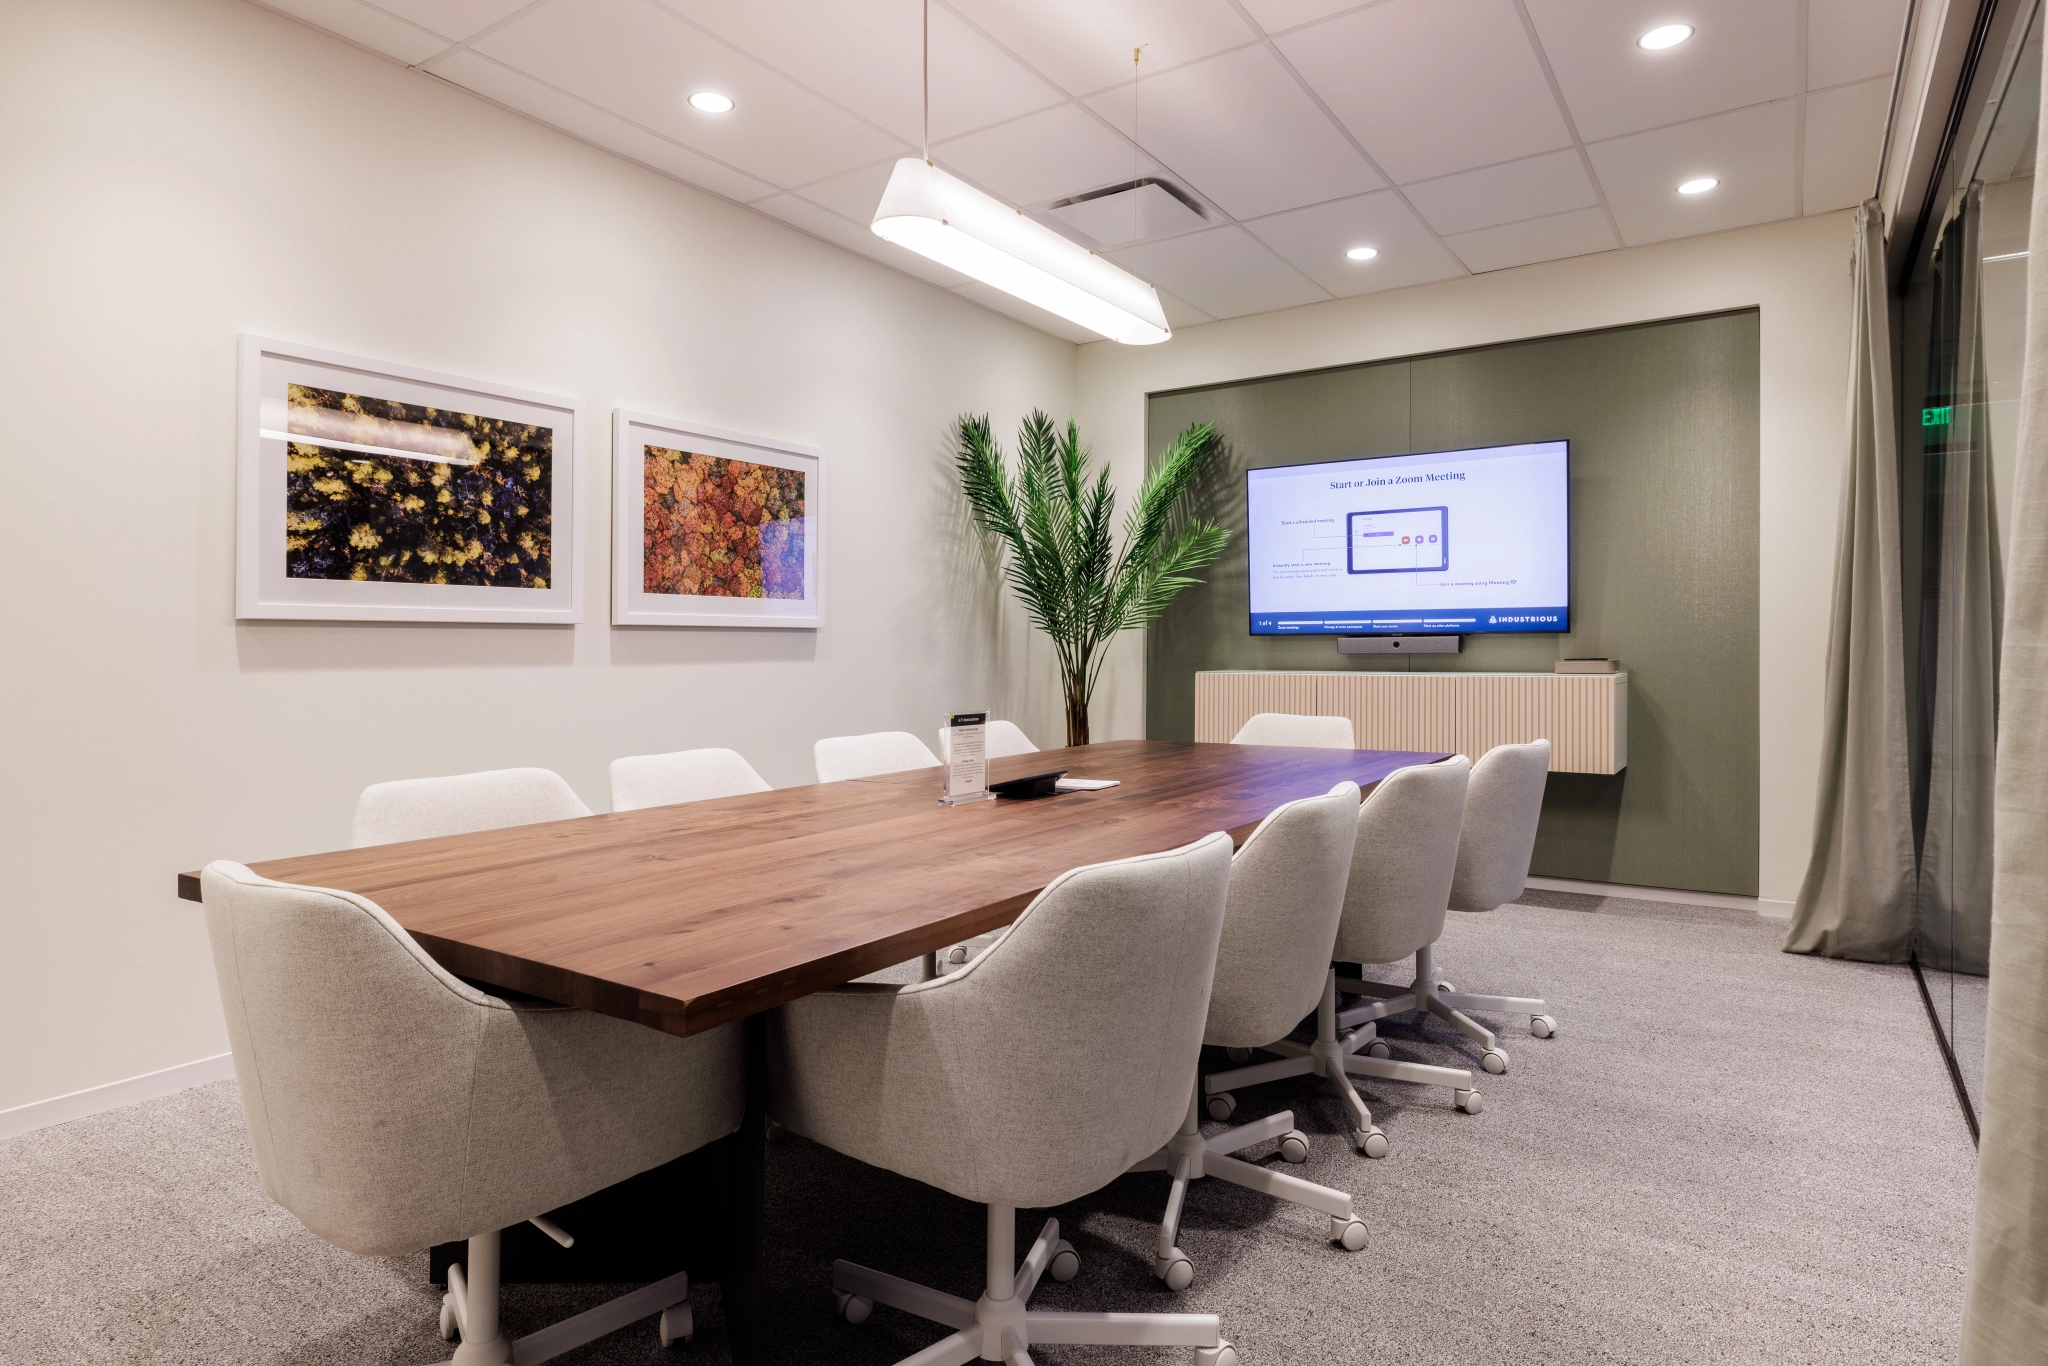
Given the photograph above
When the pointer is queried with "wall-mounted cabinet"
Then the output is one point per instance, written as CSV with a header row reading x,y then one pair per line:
x,y
1584,716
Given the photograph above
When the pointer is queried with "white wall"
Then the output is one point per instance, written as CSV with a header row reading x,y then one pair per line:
x,y
177,172
1797,273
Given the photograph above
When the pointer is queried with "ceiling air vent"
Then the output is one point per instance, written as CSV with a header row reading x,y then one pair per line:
x,y
1106,215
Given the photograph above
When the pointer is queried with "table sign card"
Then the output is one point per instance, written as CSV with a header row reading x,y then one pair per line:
x,y
965,777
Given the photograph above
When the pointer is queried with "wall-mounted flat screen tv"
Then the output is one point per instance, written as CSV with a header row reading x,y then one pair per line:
x,y
1447,543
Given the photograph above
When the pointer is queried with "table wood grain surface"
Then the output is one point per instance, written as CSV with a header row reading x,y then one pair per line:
x,y
686,917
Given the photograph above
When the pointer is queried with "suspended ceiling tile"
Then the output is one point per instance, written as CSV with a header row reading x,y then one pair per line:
x,y
1742,52
1844,133
1749,151
855,237
1315,240
1578,233
593,125
364,26
1530,188
854,195
1179,312
1240,131
1429,87
1847,40
643,63
1277,16
1085,45
1043,157
868,58
1010,306
454,19
1224,271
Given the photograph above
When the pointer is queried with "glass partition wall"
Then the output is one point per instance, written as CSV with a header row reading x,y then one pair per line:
x,y
1964,315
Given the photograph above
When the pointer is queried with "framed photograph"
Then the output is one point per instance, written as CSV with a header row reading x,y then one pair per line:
x,y
369,491
713,528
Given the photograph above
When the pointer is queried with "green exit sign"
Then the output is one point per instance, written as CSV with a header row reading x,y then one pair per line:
x,y
1935,417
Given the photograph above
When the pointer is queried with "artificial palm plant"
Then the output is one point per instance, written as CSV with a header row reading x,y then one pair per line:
x,y
1053,521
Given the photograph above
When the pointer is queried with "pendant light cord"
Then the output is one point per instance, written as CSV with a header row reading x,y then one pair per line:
x,y
1134,141
927,80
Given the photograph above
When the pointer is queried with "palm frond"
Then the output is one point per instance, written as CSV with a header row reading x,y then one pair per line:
x,y
1055,521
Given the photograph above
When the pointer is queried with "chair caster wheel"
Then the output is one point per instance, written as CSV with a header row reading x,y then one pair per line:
x,y
776,1133
853,1308
1445,986
1175,1269
1469,1102
678,1324
1372,1142
1543,1026
1222,1105
1494,1061
448,1318
1378,1049
1222,1354
1348,1234
1240,1056
1065,1263
1294,1146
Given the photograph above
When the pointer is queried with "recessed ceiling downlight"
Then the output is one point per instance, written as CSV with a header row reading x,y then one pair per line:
x,y
1698,186
711,102
1667,35
1362,253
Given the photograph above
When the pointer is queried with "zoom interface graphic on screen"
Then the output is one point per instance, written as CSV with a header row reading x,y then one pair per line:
x,y
1399,541
1448,542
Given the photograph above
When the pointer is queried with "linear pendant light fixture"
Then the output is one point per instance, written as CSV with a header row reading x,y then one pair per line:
x,y
944,218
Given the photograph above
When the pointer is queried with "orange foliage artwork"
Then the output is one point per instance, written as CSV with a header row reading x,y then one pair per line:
x,y
719,528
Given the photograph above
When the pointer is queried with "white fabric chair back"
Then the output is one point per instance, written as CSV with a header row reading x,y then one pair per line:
x,y
1311,732
1002,739
393,1106
1502,807
422,808
1286,895
1050,1063
688,775
1401,869
864,756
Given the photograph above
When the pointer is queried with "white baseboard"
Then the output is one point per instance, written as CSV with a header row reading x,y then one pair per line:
x,y
1776,910
41,1114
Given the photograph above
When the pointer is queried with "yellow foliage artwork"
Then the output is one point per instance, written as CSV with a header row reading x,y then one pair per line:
x,y
388,492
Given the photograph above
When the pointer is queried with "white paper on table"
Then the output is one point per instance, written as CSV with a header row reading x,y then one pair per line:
x,y
1083,784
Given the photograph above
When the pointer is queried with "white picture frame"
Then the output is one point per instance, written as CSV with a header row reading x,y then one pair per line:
x,y
636,564
297,557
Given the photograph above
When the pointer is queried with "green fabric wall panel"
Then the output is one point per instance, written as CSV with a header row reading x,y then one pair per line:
x,y
1662,418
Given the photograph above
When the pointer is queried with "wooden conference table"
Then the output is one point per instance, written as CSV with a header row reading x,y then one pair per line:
x,y
687,917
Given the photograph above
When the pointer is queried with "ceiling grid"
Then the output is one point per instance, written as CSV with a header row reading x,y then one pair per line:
x,y
1454,139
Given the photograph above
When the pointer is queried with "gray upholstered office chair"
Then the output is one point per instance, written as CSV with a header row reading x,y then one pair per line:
x,y
687,775
1038,1073
1003,738
1308,732
422,808
392,1106
1494,848
864,756
1286,893
1394,904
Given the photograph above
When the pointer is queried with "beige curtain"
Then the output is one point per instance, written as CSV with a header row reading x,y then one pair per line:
x,y
2005,1317
1857,900
1956,850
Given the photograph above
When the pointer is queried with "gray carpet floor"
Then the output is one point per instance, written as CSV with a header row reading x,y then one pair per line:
x,y
1727,1154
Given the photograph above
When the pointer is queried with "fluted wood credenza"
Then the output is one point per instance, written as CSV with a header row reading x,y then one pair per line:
x,y
1584,716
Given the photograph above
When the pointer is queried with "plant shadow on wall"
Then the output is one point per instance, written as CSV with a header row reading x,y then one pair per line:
x,y
1054,523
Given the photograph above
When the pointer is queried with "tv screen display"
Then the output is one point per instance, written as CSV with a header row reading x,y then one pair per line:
x,y
1452,542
